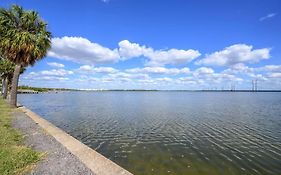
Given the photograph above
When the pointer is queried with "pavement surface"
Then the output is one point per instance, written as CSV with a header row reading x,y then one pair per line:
x,y
57,160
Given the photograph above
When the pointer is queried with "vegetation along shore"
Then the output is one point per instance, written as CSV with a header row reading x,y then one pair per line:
x,y
15,158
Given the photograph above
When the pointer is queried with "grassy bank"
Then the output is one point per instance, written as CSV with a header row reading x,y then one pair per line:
x,y
15,158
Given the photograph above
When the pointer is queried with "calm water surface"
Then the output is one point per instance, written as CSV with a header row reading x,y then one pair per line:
x,y
172,132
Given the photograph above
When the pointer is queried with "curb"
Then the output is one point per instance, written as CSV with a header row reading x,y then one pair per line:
x,y
96,162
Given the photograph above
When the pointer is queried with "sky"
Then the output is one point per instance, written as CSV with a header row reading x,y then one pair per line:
x,y
158,44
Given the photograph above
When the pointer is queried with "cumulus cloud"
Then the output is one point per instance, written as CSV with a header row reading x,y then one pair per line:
x,y
92,69
159,70
271,71
190,80
54,64
157,81
263,73
45,78
268,16
156,57
209,76
105,70
200,78
81,50
56,72
85,68
235,54
240,68
130,50
274,75
130,76
50,78
203,70
49,75
270,68
155,73
172,56
164,79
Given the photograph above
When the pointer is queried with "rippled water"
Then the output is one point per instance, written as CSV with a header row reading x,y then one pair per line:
x,y
172,132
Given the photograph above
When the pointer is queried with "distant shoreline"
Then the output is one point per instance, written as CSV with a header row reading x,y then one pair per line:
x,y
42,90
190,90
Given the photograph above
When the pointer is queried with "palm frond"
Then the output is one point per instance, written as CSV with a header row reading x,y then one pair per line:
x,y
24,36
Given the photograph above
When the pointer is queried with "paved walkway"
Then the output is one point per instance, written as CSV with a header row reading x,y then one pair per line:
x,y
58,160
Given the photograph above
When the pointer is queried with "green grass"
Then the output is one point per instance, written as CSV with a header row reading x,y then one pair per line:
x,y
15,158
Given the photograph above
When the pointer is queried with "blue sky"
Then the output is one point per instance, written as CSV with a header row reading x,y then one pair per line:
x,y
167,44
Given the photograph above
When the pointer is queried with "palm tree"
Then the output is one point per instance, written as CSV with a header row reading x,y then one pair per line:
x,y
24,40
6,72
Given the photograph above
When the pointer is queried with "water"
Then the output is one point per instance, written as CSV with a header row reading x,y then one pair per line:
x,y
172,132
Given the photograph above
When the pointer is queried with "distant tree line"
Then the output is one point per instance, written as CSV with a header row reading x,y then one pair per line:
x,y
40,89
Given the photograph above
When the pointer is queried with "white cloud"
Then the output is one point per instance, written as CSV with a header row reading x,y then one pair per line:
x,y
159,70
49,75
164,79
271,68
45,78
56,72
81,50
156,57
157,81
257,72
240,68
235,54
155,75
92,69
268,16
127,75
138,78
116,77
105,70
209,76
50,78
274,75
203,71
130,50
189,80
54,64
86,68
201,77
172,56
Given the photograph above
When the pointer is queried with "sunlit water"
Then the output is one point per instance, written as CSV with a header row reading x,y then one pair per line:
x,y
172,132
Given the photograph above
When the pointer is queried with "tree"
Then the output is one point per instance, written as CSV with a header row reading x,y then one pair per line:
x,y
24,40
6,72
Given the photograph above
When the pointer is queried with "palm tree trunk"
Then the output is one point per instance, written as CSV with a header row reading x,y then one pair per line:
x,y
2,90
15,81
5,87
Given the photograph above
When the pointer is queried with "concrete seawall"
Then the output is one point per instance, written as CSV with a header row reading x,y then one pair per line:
x,y
96,162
